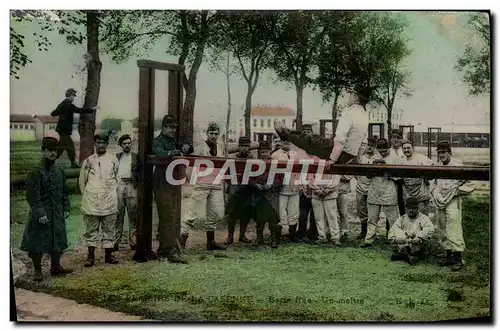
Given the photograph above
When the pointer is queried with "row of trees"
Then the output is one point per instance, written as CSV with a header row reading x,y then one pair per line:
x,y
330,51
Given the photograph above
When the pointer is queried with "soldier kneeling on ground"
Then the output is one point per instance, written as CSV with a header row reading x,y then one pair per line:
x,y
409,234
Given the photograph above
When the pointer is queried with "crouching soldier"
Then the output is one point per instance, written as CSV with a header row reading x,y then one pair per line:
x,y
409,233
447,196
265,199
48,200
237,206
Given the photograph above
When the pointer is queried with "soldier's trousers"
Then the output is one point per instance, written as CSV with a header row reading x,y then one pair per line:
x,y
362,208
391,214
169,224
289,209
106,236
449,222
305,207
208,200
66,144
342,207
238,209
127,201
325,213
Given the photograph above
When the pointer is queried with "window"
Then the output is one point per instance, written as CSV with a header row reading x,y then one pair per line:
x,y
255,135
15,126
32,127
283,121
26,126
261,123
11,126
269,123
254,123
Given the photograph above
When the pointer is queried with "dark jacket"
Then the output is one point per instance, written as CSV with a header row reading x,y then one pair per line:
x,y
47,195
65,111
164,146
264,192
238,189
135,166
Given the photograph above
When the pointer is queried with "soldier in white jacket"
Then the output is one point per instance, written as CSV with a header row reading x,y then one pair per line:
x,y
417,188
289,198
206,195
409,234
382,194
324,202
98,185
447,197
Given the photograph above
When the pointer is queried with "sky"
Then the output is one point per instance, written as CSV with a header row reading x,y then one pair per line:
x,y
439,96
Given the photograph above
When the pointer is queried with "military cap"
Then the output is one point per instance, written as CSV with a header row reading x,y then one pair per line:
x,y
396,131
49,143
70,92
124,137
212,126
168,120
444,146
382,143
412,203
101,136
372,142
243,141
306,127
264,144
406,142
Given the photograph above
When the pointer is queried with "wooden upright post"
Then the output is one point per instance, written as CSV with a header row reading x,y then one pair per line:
x,y
145,185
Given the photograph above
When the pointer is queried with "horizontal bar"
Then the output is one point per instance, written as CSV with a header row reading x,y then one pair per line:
x,y
160,65
407,171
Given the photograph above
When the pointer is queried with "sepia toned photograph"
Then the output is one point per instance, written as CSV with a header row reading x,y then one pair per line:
x,y
249,166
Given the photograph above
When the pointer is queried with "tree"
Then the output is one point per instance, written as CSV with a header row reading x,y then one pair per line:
x,y
133,32
331,59
375,58
474,64
248,36
297,39
221,61
18,58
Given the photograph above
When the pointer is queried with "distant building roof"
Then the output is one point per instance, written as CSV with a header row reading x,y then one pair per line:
x,y
20,118
264,110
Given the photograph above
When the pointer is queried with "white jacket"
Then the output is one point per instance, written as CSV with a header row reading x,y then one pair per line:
x,y
99,183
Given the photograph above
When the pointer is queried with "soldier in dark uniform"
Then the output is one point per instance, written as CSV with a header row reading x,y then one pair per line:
x,y
65,110
169,226
265,199
239,196
48,199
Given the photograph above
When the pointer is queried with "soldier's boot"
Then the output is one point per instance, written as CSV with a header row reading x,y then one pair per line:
x,y
275,238
184,239
230,233
109,258
37,266
90,258
292,233
175,256
364,227
211,244
260,235
412,259
446,260
116,247
55,266
458,263
243,230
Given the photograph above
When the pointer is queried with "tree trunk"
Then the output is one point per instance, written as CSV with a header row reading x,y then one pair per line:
x,y
86,125
389,122
228,116
298,121
190,99
335,113
248,108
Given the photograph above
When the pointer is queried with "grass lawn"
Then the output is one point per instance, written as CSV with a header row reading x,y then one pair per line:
x,y
292,283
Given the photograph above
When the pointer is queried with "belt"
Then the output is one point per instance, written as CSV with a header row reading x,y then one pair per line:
x,y
128,180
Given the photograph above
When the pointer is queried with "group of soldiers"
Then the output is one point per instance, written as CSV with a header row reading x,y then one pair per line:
x,y
312,211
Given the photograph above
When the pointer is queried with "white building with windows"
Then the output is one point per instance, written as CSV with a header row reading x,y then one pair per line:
x,y
262,119
22,128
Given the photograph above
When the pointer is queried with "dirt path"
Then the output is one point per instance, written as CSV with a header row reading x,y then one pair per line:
x,y
33,306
